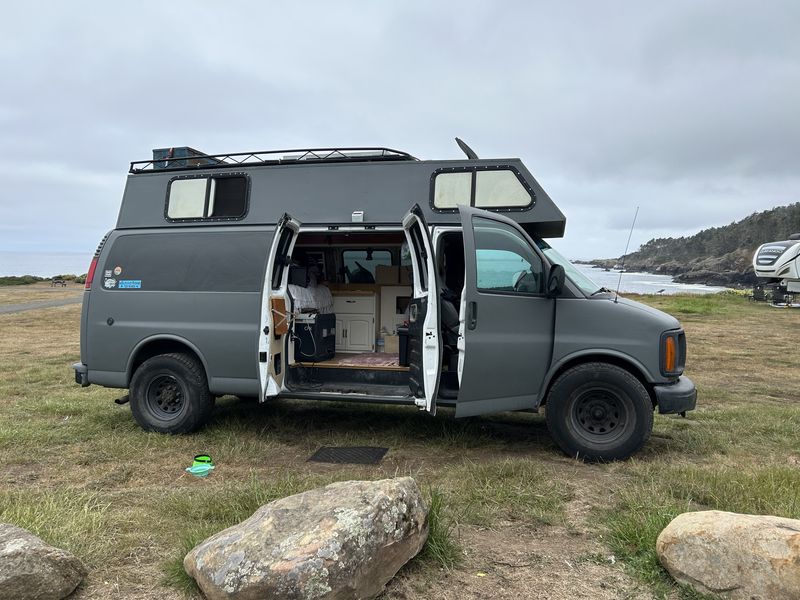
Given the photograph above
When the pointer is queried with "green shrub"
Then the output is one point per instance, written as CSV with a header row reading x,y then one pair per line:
x,y
20,280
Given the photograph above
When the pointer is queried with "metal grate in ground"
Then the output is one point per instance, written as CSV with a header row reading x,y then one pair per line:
x,y
359,455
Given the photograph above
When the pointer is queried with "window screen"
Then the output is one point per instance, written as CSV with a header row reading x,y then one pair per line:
x,y
452,189
499,188
207,198
484,188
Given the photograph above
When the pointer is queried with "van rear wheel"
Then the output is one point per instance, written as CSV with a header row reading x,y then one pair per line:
x,y
599,412
169,394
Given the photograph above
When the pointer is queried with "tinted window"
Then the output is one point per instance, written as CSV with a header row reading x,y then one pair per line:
x,y
223,197
505,260
187,261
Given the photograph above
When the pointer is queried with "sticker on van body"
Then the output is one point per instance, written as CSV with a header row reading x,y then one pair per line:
x,y
110,283
130,284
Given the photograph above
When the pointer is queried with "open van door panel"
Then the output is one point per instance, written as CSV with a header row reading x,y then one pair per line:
x,y
274,321
424,339
506,317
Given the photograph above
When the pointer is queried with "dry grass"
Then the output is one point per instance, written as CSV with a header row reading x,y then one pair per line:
x,y
18,294
78,470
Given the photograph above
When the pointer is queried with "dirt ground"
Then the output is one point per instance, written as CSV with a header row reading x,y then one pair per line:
x,y
566,561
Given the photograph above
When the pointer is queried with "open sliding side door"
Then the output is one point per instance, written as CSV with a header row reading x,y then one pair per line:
x,y
274,320
425,360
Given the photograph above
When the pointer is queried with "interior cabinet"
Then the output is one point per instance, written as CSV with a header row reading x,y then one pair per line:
x,y
355,323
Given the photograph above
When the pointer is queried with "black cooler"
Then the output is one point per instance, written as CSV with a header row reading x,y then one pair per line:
x,y
315,337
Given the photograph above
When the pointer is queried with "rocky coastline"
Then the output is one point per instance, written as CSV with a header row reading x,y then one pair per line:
x,y
730,270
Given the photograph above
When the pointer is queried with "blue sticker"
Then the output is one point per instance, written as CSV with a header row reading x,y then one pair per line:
x,y
129,284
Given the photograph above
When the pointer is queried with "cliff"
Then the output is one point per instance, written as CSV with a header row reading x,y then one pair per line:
x,y
715,256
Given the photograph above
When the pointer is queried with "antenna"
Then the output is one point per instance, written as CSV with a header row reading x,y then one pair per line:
x,y
466,149
622,266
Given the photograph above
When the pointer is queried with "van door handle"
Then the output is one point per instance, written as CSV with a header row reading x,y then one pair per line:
x,y
472,315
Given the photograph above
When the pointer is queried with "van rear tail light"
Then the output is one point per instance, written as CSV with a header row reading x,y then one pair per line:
x,y
673,353
90,274
93,264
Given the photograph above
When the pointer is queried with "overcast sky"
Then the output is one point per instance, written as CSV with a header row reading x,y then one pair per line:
x,y
690,110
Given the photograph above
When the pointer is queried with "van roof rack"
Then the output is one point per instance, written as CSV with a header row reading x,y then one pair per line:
x,y
183,158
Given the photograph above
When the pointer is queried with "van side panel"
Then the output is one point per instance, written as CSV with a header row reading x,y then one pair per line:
x,y
325,194
200,287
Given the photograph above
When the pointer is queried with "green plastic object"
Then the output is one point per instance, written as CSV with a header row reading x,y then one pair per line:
x,y
201,466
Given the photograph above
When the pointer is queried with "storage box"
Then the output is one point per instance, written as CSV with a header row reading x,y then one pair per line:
x,y
386,275
391,344
405,276
315,337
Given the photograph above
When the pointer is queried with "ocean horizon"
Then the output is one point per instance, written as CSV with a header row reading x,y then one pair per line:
x,y
44,264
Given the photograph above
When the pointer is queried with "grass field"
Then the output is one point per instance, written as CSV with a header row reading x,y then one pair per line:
x,y
512,515
19,294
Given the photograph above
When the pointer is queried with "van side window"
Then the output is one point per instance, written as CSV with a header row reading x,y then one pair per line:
x,y
211,198
499,188
495,188
505,261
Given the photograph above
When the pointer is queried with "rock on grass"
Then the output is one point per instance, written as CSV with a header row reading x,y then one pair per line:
x,y
740,557
345,540
33,570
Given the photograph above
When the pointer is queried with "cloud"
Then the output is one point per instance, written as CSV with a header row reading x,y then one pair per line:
x,y
685,109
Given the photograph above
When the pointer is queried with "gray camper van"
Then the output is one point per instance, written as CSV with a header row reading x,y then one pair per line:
x,y
366,275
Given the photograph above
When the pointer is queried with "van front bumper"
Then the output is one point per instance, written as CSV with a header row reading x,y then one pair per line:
x,y
81,374
676,397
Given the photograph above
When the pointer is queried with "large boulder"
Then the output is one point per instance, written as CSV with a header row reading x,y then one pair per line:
x,y
33,570
740,557
346,540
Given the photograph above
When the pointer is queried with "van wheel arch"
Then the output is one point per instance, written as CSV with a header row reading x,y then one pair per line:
x,y
600,358
162,345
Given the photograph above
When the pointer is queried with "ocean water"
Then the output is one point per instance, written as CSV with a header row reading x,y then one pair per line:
x,y
645,283
44,264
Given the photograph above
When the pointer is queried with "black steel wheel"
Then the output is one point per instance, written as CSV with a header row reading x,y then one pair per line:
x,y
599,412
165,397
169,394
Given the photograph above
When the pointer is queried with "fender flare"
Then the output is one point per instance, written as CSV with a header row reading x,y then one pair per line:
x,y
161,337
597,354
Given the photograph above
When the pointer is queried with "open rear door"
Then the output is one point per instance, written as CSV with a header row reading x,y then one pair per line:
x,y
425,348
275,306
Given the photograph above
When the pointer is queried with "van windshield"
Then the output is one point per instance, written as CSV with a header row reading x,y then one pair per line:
x,y
574,274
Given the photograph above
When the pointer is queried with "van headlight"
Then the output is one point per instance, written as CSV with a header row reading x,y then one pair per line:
x,y
672,353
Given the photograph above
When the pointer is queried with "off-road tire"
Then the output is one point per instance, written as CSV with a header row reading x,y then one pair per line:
x,y
169,394
599,412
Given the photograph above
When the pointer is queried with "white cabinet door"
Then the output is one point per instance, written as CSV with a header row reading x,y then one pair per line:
x,y
360,333
341,336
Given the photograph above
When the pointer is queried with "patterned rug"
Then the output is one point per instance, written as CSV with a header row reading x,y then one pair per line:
x,y
371,359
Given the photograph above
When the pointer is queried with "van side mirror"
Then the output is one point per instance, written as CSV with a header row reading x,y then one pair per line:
x,y
555,281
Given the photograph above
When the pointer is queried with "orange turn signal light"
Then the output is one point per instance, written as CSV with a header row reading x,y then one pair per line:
x,y
670,353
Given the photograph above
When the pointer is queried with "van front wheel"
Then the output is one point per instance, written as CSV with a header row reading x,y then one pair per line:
x,y
599,412
169,394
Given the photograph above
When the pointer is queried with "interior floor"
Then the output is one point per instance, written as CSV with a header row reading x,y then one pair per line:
x,y
364,360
